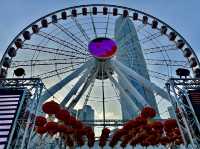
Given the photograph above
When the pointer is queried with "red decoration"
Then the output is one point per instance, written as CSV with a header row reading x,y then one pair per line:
x,y
63,115
52,127
41,130
148,112
51,107
62,128
71,121
170,124
40,121
157,125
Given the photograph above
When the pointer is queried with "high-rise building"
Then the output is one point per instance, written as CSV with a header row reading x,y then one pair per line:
x,y
87,113
130,54
171,112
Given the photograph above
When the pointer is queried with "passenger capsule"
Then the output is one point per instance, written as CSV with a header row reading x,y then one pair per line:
x,y
19,72
182,72
74,13
54,18
3,73
180,43
44,23
64,15
135,16
154,24
105,10
12,52
18,43
94,10
145,20
163,30
197,73
84,11
35,28
27,35
125,13
193,62
172,36
187,52
115,11
7,62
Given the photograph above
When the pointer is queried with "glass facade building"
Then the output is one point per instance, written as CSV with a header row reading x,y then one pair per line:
x,y
130,54
87,113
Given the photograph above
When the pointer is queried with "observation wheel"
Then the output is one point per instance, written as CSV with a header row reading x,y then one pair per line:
x,y
114,58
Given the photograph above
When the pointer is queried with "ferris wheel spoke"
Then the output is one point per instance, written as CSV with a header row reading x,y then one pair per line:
x,y
146,83
62,42
150,37
129,101
90,79
71,35
166,62
93,25
56,72
163,48
107,24
81,29
55,51
141,102
55,88
76,87
139,28
42,63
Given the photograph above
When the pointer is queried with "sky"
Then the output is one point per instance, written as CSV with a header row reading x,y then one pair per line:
x,y
183,16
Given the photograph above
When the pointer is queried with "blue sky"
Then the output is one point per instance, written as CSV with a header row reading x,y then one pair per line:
x,y
181,15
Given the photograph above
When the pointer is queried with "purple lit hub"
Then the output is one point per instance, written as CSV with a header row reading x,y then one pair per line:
x,y
102,48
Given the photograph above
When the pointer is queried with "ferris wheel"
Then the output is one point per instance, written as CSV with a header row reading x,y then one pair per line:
x,y
107,56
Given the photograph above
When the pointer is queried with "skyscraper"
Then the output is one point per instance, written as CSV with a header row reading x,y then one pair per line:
x,y
130,54
87,113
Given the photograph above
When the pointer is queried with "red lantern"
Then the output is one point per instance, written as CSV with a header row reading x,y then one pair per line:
x,y
69,141
62,128
52,127
170,124
106,132
164,140
157,125
41,130
80,141
51,107
40,121
69,130
71,121
77,125
63,115
91,143
140,121
148,112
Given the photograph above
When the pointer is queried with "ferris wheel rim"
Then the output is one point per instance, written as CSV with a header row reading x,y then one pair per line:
x,y
103,5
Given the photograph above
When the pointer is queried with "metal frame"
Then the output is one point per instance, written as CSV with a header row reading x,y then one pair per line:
x,y
33,88
178,88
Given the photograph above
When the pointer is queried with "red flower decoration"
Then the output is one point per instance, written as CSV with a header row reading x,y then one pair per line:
x,y
148,112
52,127
63,115
40,121
41,130
51,107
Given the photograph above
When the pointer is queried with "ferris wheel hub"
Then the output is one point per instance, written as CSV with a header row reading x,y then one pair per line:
x,y
102,48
